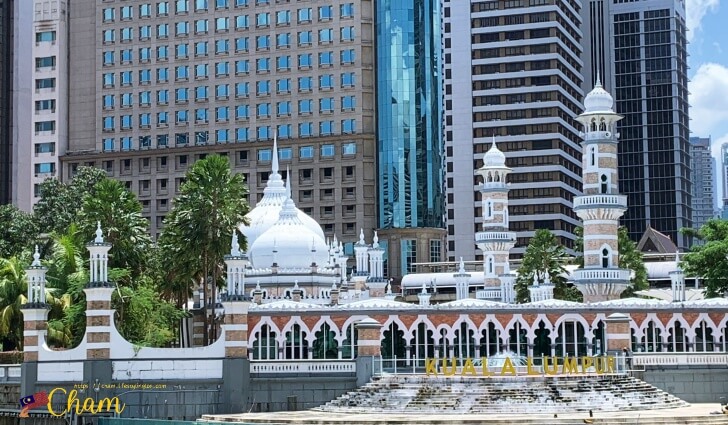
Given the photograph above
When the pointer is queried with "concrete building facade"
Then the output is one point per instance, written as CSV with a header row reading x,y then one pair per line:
x,y
703,168
176,80
640,51
515,75
6,102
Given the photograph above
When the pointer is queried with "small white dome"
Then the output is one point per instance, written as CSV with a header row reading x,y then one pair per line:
x,y
494,157
598,100
293,241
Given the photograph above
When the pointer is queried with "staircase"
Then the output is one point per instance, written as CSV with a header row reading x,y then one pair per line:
x,y
524,395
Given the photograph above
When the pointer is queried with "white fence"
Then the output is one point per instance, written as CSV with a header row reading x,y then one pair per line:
x,y
302,366
10,373
681,359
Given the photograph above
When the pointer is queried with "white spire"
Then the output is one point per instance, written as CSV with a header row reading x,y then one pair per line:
x,y
295,284
361,237
275,152
36,258
599,80
375,241
462,266
535,279
288,182
257,286
494,145
235,246
99,233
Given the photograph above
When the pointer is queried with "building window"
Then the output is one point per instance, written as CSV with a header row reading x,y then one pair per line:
x,y
408,255
305,152
349,149
347,10
264,155
435,250
327,151
348,126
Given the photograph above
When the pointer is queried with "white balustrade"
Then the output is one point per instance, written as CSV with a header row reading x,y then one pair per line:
x,y
488,294
602,274
680,359
302,366
600,199
499,236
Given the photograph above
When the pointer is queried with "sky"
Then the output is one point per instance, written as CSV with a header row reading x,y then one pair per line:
x,y
708,74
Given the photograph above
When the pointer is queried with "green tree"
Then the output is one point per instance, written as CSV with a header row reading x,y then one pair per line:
x,y
545,254
198,230
59,203
708,261
18,231
629,258
120,215
13,287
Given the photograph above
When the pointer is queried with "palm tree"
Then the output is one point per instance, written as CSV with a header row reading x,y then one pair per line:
x,y
197,232
543,255
120,215
13,288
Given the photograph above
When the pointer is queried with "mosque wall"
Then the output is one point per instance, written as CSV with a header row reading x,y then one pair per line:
x,y
694,384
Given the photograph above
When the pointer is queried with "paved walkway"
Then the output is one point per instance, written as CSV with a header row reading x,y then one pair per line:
x,y
693,414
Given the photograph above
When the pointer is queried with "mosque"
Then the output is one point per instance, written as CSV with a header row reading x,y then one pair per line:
x,y
290,308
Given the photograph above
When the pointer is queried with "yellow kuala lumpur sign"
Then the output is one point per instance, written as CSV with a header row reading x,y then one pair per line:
x,y
551,366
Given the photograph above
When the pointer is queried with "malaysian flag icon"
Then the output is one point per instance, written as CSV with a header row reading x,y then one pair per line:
x,y
27,400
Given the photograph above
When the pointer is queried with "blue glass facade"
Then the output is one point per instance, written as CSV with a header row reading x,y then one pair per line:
x,y
409,114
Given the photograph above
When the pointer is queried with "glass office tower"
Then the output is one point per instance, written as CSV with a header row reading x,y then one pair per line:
x,y
409,128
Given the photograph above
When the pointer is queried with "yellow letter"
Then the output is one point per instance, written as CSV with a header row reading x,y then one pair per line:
x,y
468,368
610,364
586,363
484,363
529,364
507,364
555,365
108,402
50,401
430,367
569,365
601,363
88,406
453,367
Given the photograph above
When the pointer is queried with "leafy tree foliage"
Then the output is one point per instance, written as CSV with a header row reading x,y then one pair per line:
x,y
60,203
120,214
545,254
18,231
629,258
708,261
198,230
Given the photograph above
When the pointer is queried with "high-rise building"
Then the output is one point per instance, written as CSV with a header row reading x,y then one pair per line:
x,y
702,177
6,99
48,128
516,75
640,51
155,86
409,133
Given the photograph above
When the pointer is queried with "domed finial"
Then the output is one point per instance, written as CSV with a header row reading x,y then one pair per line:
x,y
235,246
494,145
389,288
462,266
36,258
257,286
295,284
99,233
535,279
547,279
361,237
375,240
424,288
333,285
599,80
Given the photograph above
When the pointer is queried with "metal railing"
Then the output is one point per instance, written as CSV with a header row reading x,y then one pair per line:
x,y
302,366
680,359
10,373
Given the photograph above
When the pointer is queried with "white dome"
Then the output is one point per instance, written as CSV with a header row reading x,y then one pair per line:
x,y
266,212
293,241
598,100
494,157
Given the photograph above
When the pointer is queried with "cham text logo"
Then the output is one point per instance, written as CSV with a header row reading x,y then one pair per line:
x,y
73,403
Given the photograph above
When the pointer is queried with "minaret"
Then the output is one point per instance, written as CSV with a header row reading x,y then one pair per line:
x,y
601,206
495,241
677,279
236,263
462,282
377,282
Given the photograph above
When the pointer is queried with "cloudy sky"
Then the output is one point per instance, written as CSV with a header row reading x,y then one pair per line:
x,y
708,73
